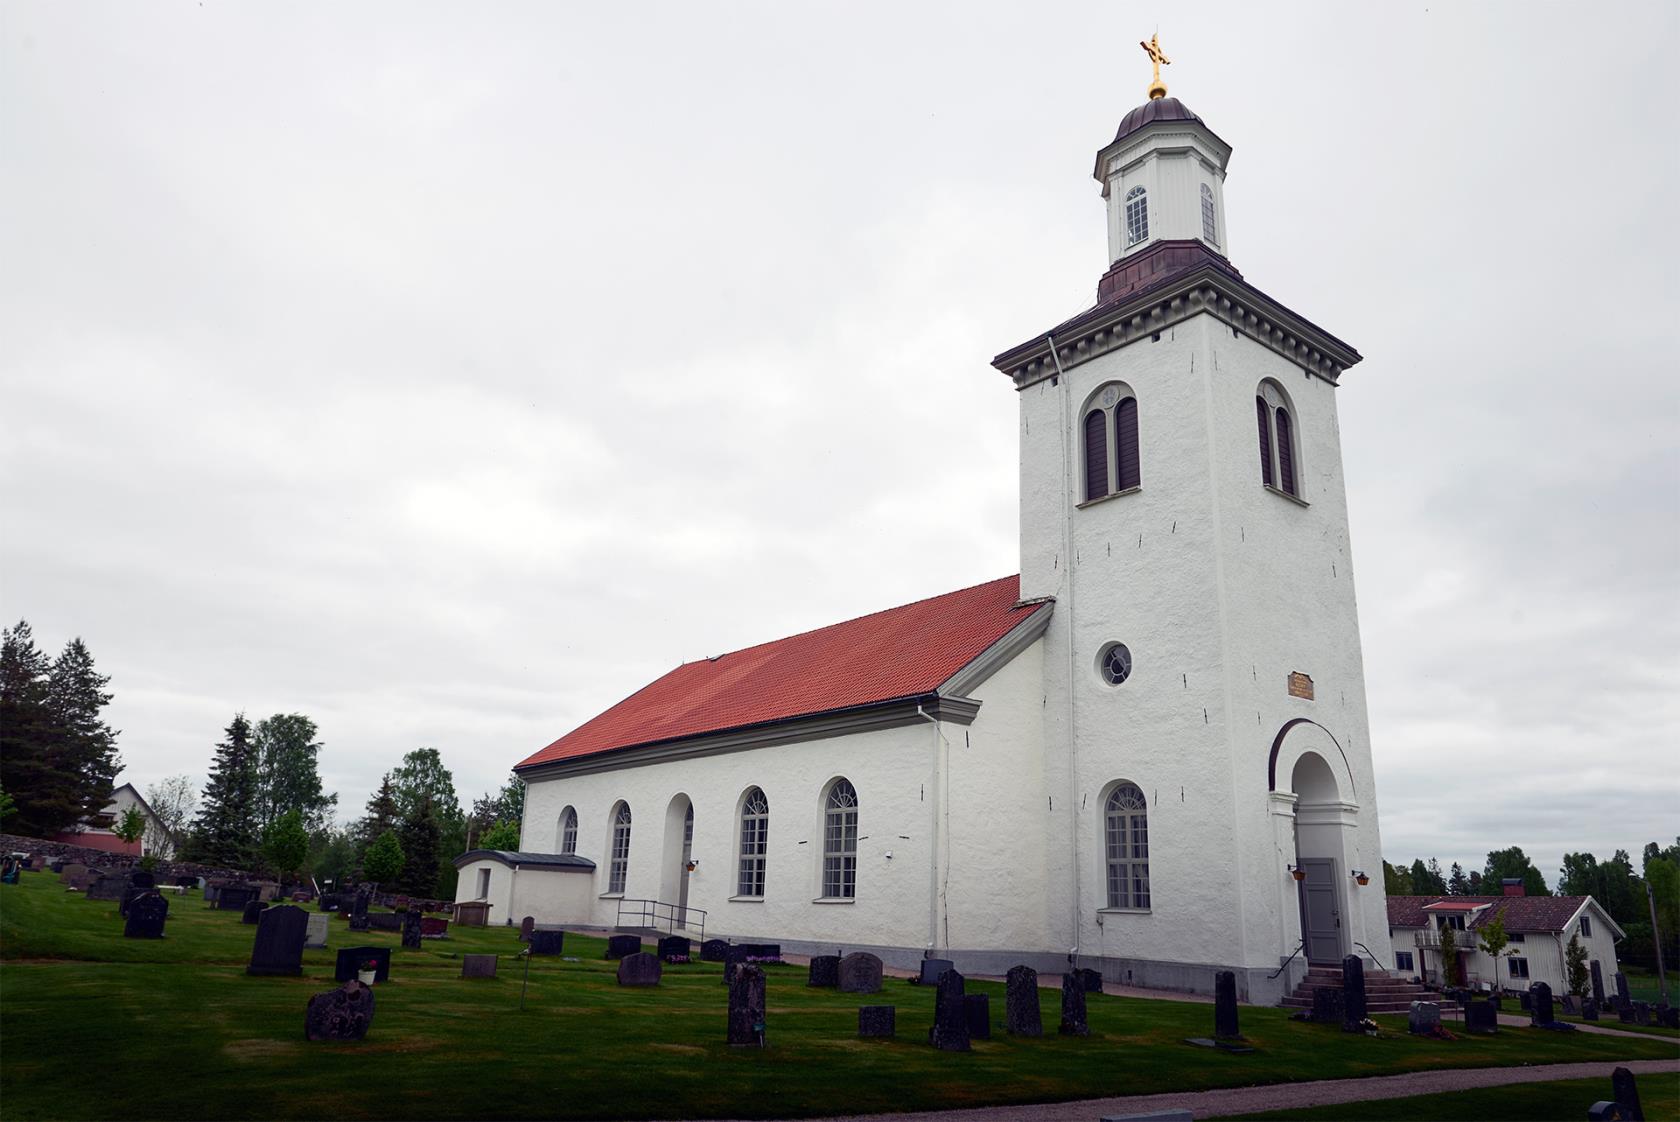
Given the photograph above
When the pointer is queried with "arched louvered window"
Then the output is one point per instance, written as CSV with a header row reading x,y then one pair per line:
x,y
1280,454
1096,454
1286,453
1126,471
1265,416
1137,216
755,841
1210,232
568,831
1126,838
618,869
840,838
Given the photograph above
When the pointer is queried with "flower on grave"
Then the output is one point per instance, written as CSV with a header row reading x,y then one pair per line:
x,y
371,964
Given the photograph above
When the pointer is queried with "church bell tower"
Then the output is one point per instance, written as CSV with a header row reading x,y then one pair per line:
x,y
1182,503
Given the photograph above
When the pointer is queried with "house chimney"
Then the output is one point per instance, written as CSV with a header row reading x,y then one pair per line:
x,y
1512,886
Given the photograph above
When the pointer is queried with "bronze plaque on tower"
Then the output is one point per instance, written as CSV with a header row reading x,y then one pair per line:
x,y
1300,685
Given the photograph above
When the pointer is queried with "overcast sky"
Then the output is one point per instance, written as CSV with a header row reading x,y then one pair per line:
x,y
446,373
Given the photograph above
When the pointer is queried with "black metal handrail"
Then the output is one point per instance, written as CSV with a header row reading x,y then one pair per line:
x,y
1299,947
1370,952
653,913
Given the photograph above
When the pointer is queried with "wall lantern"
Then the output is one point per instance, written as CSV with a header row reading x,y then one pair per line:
x,y
1360,876
1297,872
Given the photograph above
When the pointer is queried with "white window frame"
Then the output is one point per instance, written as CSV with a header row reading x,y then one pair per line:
x,y
568,830
840,838
618,866
483,885
1584,928
1275,398
1137,216
1106,400
1512,962
754,847
1126,848
1210,221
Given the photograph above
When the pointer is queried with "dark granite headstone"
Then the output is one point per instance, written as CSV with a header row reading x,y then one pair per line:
x,y
359,911
342,1014
1567,1004
734,957
932,970
1525,1001
186,882
950,1014
1497,1002
1424,1018
1540,1004
129,894
1021,1013
1073,1007
1481,1016
253,911
1597,981
620,945
1624,1012
384,921
109,886
713,950
825,971
877,1020
146,914
1354,1007
1589,1010
746,1006
639,969
1622,995
434,927
278,947
1626,1093
526,926
1642,1013
1225,1006
327,902
762,952
544,941
140,878
351,959
859,972
234,897
1327,1005
978,1007
674,948
71,872
478,966
1091,980
411,929
1669,1016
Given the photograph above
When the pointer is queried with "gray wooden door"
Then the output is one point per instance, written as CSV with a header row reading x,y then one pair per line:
x,y
1321,913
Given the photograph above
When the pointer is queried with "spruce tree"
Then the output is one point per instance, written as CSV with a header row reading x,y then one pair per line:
x,y
226,829
1458,884
422,839
382,814
57,755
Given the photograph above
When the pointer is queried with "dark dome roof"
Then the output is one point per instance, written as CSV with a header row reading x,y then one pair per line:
x,y
1156,109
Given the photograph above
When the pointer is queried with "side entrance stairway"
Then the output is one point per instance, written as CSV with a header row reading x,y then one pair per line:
x,y
1384,993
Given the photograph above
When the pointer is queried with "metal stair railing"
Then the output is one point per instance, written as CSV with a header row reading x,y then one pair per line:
x,y
657,914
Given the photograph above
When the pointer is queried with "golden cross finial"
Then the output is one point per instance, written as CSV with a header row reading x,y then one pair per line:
x,y
1157,88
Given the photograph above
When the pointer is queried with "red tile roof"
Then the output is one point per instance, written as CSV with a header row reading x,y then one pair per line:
x,y
900,653
1522,913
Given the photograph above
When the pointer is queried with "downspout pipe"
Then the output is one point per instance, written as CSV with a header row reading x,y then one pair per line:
x,y
934,801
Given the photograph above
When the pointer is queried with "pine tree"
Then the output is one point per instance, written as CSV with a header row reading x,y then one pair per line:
x,y
226,829
382,814
58,758
421,839
1437,882
1475,884
290,771
1458,884
1575,966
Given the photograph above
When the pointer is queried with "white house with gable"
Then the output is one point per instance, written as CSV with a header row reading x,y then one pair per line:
x,y
1146,753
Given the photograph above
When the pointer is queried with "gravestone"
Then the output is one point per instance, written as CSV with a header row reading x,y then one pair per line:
x,y
186,882
267,890
1327,1005
140,878
109,886
1481,1016
932,970
384,921
146,914
1497,1002
1525,1001
639,969
674,948
547,942
1424,1018
129,894
825,971
478,966
1354,1007
327,902
434,927
1091,980
1225,1006
1540,1004
342,1014
978,1008
620,945
1567,1003
713,950
359,912
1622,996
1597,981
878,1020
351,959
746,1006
1624,1012
320,925
253,911
859,972
1021,1013
411,930
762,952
1626,1093
69,874
1641,1013
1073,1007
1589,1010
234,897
950,1014
1669,1016
278,947
526,926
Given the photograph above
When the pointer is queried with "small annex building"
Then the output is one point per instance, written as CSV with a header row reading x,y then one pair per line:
x,y
1539,928
1145,753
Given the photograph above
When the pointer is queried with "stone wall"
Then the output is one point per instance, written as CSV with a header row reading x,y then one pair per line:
x,y
95,858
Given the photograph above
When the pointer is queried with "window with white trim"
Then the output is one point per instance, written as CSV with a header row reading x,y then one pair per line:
x,y
618,869
840,838
1209,230
483,885
568,830
1586,928
1280,459
1519,967
1126,820
1111,442
755,839
1403,962
1455,922
1137,216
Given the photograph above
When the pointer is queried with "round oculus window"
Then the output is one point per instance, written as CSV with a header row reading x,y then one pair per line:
x,y
1115,663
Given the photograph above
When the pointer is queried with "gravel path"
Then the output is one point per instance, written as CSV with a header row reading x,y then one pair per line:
x,y
1283,1096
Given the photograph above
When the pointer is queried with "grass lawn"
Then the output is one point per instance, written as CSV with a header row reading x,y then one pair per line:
x,y
1521,1102
1643,986
93,1025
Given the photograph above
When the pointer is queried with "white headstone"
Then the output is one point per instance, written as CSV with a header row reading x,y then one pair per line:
x,y
316,936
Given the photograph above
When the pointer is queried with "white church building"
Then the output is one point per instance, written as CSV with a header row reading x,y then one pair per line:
x,y
1147,753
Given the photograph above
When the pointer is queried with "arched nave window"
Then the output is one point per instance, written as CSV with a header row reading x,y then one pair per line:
x,y
1126,820
840,837
755,839
618,868
568,831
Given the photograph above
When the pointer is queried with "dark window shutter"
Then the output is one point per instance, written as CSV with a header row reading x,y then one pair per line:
x,y
1126,443
1286,453
1265,440
1096,455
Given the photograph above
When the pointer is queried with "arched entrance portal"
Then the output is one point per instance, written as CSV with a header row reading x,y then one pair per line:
x,y
1320,815
678,851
